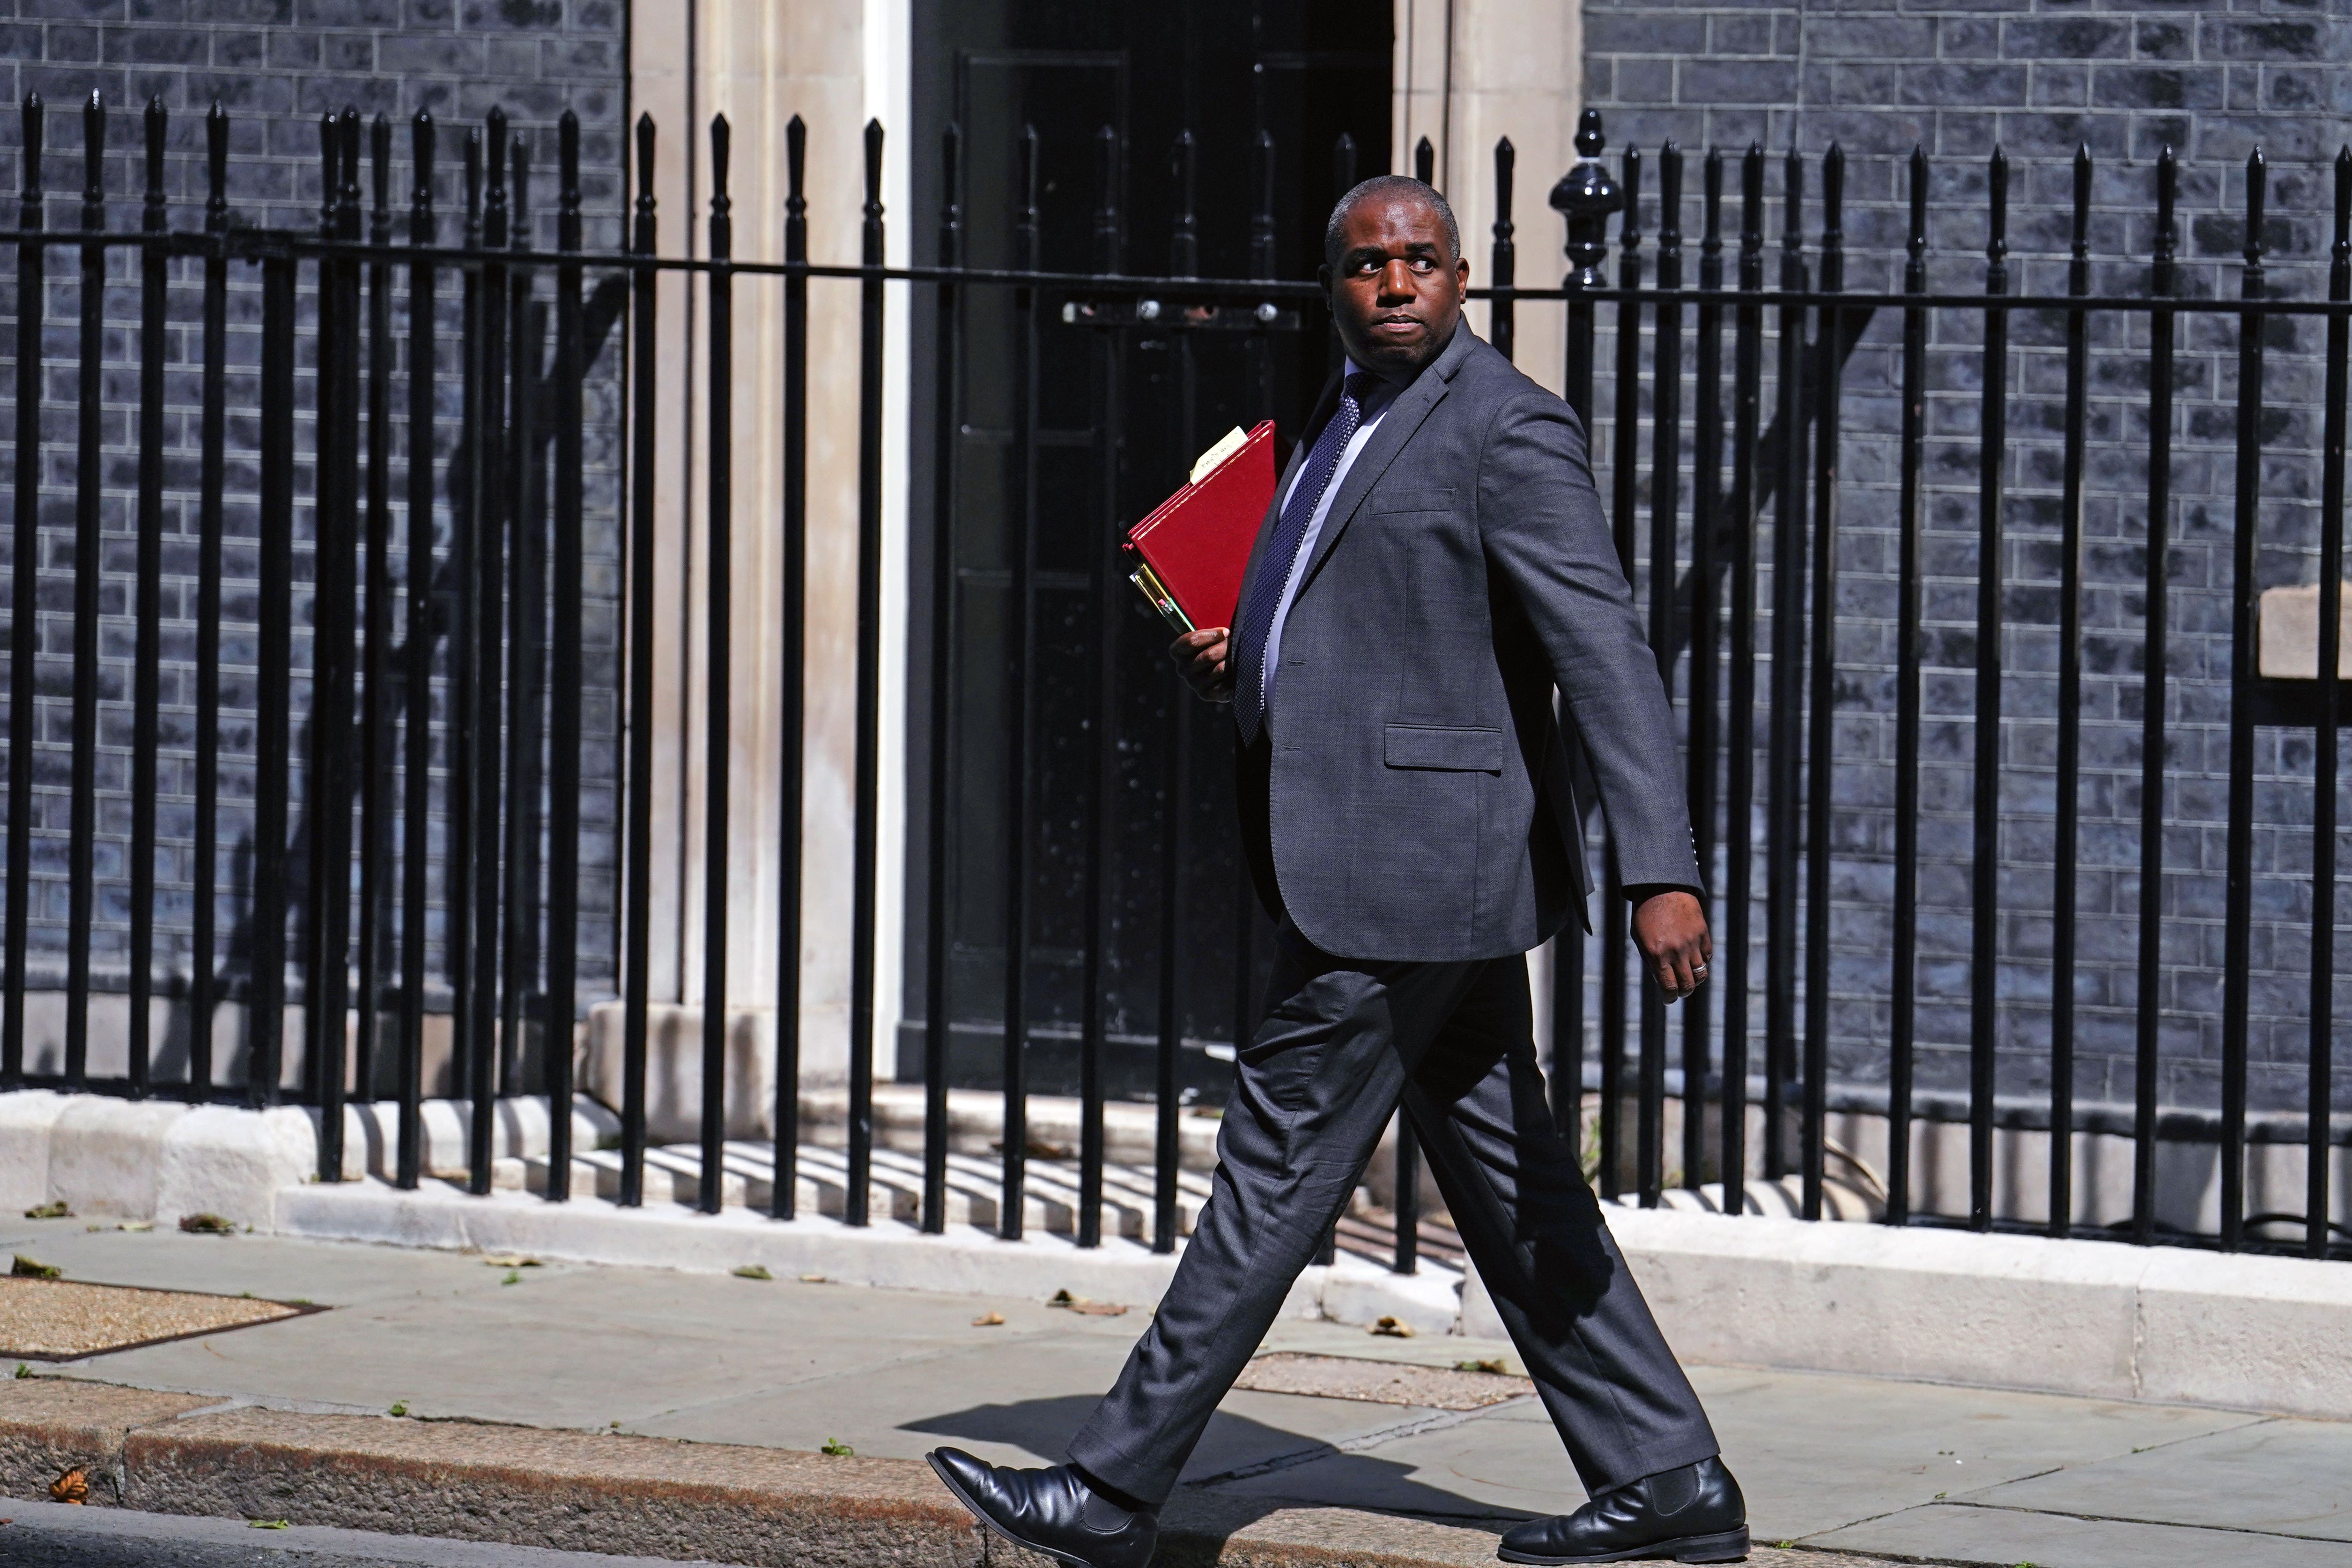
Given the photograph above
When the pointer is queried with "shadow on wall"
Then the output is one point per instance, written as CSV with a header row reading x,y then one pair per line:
x,y
171,1020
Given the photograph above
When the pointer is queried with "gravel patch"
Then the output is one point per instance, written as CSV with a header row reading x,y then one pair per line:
x,y
58,1320
1378,1382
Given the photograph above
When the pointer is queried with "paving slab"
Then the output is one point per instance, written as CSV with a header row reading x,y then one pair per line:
x,y
2291,1477
2003,1538
1817,1450
1452,1465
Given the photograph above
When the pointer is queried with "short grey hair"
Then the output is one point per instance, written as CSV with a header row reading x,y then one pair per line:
x,y
1388,185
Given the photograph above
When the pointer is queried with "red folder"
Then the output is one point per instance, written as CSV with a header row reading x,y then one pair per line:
x,y
1188,556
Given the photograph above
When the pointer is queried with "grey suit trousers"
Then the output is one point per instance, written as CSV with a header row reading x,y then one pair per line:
x,y
1342,1044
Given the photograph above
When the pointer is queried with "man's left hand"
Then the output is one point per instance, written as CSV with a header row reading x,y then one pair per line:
x,y
1671,929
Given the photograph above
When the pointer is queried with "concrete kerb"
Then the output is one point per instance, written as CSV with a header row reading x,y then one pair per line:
x,y
2093,1318
652,1497
591,1492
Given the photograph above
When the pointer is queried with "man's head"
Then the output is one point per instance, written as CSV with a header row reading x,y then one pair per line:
x,y
1393,267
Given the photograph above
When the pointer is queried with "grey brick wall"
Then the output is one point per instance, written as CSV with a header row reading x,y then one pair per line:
x,y
2036,77
275,65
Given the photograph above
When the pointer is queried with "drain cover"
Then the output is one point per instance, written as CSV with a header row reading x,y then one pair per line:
x,y
60,1320
1378,1382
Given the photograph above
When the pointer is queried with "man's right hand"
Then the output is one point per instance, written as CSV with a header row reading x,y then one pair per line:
x,y
1200,658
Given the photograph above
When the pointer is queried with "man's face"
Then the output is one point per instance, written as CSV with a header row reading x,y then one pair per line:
x,y
1397,291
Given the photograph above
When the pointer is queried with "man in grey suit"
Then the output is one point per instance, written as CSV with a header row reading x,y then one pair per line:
x,y
1435,564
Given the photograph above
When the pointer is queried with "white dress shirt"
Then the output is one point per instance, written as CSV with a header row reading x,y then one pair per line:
x,y
1375,404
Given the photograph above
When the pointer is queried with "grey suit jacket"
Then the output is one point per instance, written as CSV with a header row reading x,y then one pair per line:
x,y
1417,802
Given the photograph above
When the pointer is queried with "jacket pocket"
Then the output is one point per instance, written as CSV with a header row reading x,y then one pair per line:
x,y
1468,751
1388,502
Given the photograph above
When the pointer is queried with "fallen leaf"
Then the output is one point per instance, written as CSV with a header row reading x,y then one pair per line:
x,y
50,1211
206,1224
989,1321
839,1449
1099,1308
1394,1328
1494,1366
814,1279
752,1271
1038,1149
513,1278
72,1487
136,1225
267,1523
509,1260
32,1269
399,1407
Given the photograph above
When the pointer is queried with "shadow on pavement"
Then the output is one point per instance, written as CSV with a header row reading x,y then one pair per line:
x,y
1259,1452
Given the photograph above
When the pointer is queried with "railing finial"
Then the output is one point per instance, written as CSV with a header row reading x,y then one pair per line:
x,y
1997,218
2257,193
217,169
2342,249
93,158
158,122
1914,243
1584,197
30,186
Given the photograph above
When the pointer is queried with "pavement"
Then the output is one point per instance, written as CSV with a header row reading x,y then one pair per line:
x,y
1872,1468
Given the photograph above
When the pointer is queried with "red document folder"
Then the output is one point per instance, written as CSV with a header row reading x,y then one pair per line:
x,y
1188,555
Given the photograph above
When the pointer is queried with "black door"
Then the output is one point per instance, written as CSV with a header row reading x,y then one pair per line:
x,y
1064,434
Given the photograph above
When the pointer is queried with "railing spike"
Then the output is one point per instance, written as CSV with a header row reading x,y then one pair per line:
x,y
2257,194
1916,240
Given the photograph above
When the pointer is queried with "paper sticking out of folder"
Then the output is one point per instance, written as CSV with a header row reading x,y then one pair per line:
x,y
1232,441
1188,555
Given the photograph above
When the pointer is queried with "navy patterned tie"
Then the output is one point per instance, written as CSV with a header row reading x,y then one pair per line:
x,y
1256,619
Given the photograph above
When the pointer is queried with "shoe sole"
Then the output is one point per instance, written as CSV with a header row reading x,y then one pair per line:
x,y
1727,1546
997,1529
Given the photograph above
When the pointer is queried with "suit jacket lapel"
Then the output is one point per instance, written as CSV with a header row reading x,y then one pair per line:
x,y
1396,428
1325,406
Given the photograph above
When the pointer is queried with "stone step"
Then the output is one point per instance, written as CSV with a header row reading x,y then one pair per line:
x,y
975,1124
1051,1197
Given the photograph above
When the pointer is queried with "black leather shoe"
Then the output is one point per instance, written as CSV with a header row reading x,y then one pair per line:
x,y
1052,1511
1691,1515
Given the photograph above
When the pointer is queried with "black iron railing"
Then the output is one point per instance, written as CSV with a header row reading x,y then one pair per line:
x,y
445,774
